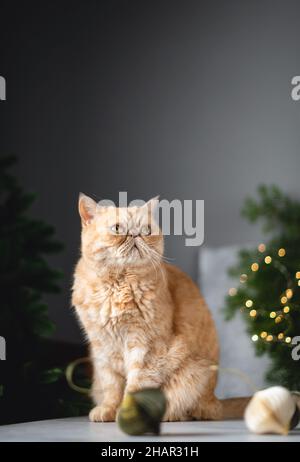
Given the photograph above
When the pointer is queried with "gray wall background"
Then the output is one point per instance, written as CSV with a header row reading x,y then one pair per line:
x,y
186,99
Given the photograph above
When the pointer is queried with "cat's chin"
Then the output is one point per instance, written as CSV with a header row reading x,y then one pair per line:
x,y
116,262
132,260
134,257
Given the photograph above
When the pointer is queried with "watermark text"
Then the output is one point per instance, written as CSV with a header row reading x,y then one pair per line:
x,y
2,349
2,88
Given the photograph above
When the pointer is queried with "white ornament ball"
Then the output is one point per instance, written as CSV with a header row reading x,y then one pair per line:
x,y
270,411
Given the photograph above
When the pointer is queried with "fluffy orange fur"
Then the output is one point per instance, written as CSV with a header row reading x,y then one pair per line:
x,y
145,320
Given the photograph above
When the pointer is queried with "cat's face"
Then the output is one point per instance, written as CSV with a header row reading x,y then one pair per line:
x,y
122,236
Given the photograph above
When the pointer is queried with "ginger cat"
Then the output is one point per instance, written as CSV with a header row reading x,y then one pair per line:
x,y
145,320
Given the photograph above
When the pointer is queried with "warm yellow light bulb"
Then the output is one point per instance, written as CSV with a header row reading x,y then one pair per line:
x,y
261,248
243,278
298,275
254,338
263,334
281,252
288,340
252,313
286,309
268,259
249,303
255,267
289,293
232,291
273,314
299,282
269,338
280,336
278,319
283,300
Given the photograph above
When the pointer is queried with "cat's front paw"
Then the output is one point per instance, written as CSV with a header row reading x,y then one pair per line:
x,y
102,414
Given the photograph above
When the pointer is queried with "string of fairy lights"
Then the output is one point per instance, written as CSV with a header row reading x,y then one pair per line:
x,y
280,313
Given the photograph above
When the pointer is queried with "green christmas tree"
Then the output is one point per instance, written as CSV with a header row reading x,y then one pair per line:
x,y
32,380
268,291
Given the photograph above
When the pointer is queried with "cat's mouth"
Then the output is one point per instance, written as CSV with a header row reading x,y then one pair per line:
x,y
135,249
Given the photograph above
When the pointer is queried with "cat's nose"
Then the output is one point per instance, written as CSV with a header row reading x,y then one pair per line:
x,y
134,232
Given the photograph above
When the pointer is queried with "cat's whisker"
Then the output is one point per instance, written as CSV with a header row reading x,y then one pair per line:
x,y
157,260
153,249
154,267
125,246
154,259
163,257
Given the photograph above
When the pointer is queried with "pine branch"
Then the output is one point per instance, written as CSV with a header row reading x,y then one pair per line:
x,y
272,318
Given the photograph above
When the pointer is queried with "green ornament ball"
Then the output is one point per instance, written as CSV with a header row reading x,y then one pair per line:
x,y
141,412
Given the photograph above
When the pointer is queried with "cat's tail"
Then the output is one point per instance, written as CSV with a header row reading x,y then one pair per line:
x,y
234,408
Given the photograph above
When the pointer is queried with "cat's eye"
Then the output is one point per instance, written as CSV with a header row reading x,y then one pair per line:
x,y
118,229
146,230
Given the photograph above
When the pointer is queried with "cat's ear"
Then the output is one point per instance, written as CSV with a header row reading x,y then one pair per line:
x,y
87,208
152,204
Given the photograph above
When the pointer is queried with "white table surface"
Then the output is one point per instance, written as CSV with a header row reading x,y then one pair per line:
x,y
80,429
